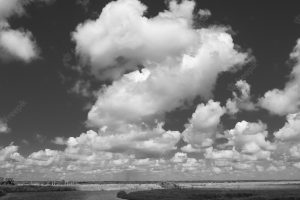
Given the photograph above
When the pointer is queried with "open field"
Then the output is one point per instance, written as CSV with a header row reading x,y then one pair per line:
x,y
214,194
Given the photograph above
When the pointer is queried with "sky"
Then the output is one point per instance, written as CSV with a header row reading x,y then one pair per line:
x,y
136,90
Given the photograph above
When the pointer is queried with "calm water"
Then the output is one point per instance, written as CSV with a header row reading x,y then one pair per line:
x,y
77,195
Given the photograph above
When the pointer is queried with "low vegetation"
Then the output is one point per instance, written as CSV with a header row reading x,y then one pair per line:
x,y
2,193
34,188
212,194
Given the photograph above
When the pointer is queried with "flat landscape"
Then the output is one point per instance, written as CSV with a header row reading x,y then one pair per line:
x,y
248,190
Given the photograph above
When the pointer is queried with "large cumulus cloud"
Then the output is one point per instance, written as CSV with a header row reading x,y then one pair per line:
x,y
167,85
123,37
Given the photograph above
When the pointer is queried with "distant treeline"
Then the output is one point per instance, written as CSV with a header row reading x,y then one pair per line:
x,y
7,181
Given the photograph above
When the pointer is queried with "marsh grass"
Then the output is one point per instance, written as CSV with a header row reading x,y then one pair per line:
x,y
215,194
35,188
2,193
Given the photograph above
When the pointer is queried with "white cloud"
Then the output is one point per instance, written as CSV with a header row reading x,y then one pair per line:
x,y
122,37
9,154
250,138
291,130
203,127
287,139
59,141
247,144
179,157
204,13
45,157
241,100
4,127
168,85
128,139
286,101
9,8
295,151
17,44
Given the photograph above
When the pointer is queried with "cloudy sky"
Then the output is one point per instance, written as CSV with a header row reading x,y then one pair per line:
x,y
149,90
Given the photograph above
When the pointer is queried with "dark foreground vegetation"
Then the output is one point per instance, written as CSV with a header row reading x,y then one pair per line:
x,y
212,194
34,188
2,193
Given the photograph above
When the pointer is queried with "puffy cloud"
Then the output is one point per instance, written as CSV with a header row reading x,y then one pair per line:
x,y
59,141
154,91
291,130
295,151
287,139
130,139
179,157
282,102
204,13
241,101
4,127
287,100
246,145
250,138
297,165
203,127
8,8
17,44
122,37
8,156
211,153
45,157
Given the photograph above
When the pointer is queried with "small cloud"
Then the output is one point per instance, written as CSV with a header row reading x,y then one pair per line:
x,y
84,4
297,19
4,127
40,138
59,141
204,13
17,44
24,141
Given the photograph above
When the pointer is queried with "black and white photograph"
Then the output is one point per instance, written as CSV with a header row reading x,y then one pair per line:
x,y
149,100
